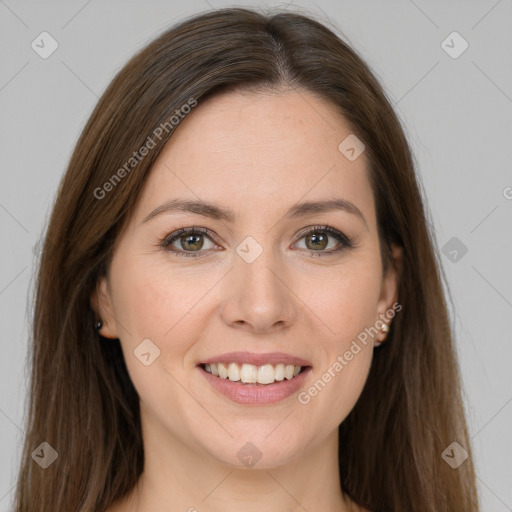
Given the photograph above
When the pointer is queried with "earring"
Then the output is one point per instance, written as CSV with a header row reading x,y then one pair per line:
x,y
98,325
385,330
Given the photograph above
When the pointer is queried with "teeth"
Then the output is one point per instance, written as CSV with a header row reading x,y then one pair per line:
x,y
233,372
266,374
249,373
252,374
223,371
280,372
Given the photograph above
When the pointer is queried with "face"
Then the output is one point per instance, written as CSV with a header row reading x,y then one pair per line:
x,y
253,280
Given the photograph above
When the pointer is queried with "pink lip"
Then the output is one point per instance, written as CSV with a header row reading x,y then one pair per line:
x,y
253,393
272,358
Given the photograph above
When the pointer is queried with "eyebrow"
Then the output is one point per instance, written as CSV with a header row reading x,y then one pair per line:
x,y
217,212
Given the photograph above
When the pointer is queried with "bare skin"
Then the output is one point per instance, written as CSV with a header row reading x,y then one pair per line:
x,y
257,154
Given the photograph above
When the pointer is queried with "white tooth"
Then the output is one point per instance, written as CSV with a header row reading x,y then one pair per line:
x,y
266,374
248,373
207,368
223,371
280,372
233,372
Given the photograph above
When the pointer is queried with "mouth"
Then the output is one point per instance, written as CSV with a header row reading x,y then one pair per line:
x,y
255,379
251,374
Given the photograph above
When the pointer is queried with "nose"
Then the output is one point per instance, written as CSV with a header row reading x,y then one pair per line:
x,y
259,300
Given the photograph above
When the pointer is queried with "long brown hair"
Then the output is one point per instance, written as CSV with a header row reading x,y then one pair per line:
x,y
82,401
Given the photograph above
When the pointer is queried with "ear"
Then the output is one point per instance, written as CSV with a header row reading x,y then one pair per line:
x,y
101,304
389,288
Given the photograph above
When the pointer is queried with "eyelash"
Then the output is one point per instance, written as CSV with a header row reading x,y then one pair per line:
x,y
344,241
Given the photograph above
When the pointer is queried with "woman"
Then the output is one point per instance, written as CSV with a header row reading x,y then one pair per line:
x,y
238,303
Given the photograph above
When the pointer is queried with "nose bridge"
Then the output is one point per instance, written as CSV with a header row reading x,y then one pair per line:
x,y
259,296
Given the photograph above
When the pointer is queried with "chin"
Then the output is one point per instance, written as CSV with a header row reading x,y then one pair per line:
x,y
257,448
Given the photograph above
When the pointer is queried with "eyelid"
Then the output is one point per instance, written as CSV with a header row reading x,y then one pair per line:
x,y
168,239
326,229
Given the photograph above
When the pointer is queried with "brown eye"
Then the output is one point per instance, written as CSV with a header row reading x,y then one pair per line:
x,y
321,240
317,241
189,242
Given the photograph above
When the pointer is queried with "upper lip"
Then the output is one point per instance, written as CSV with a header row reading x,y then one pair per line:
x,y
272,358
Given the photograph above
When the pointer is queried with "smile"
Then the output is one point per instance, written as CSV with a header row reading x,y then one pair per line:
x,y
255,393
252,374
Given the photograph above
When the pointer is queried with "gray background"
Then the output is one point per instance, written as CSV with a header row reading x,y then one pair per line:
x,y
457,113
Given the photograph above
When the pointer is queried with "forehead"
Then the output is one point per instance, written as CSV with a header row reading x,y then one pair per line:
x,y
256,149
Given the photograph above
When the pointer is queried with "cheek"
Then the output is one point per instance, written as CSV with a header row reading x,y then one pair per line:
x,y
337,389
347,305
157,302
345,300
147,298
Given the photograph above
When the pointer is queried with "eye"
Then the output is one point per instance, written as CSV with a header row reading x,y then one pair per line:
x,y
188,242
316,240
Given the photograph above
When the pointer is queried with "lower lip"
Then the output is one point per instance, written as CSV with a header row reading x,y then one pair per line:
x,y
253,394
